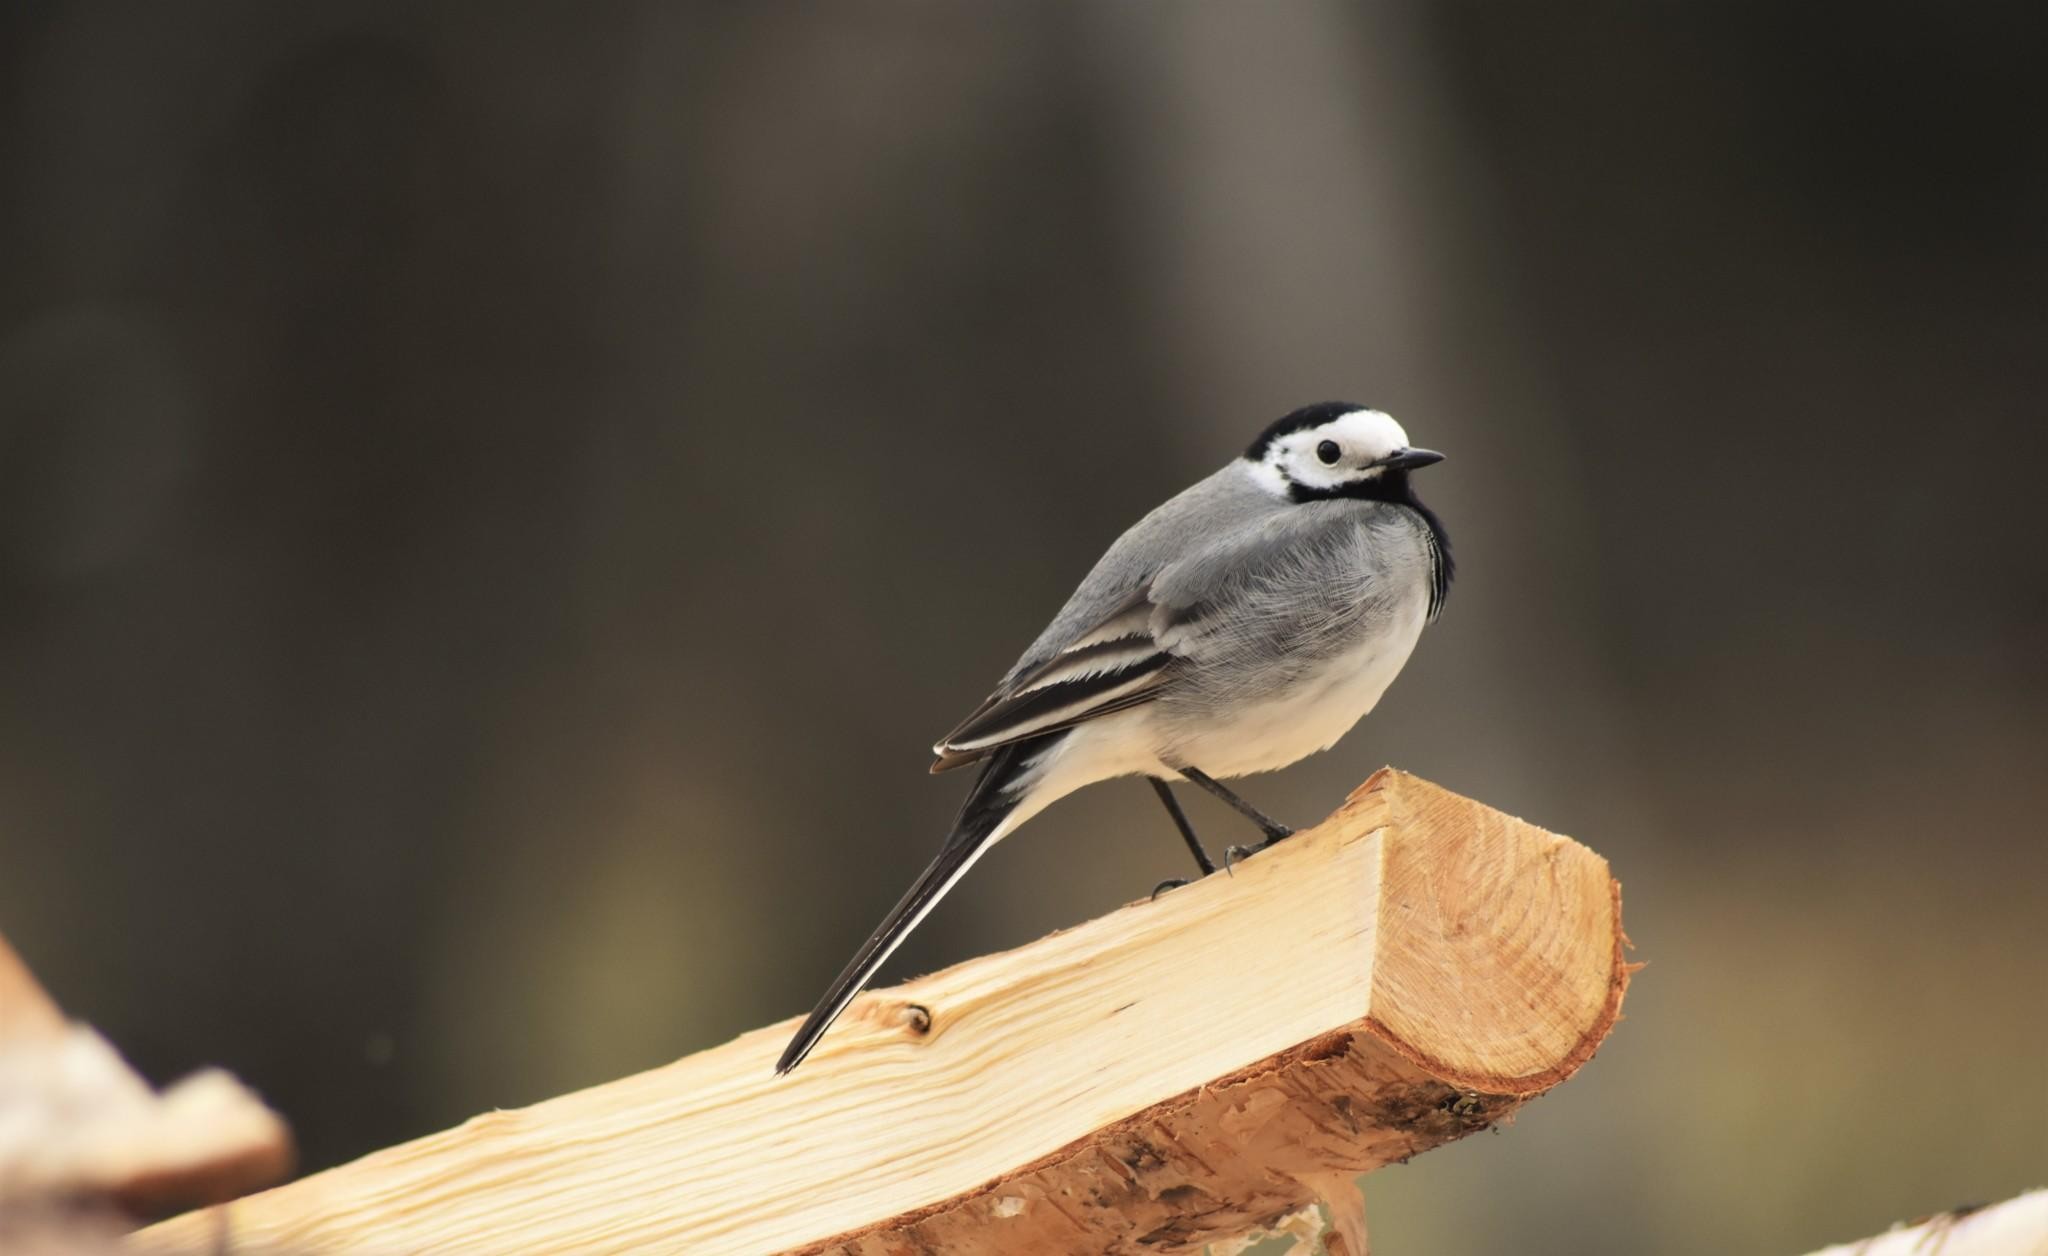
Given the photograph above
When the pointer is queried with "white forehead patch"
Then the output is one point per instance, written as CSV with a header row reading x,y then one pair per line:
x,y
1367,432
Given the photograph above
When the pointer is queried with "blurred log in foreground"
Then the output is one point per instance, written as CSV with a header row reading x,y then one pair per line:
x,y
2017,1227
1179,1071
80,1132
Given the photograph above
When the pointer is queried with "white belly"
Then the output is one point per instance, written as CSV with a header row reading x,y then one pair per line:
x,y
1262,735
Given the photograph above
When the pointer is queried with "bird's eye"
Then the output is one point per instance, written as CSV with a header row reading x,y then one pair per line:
x,y
1329,453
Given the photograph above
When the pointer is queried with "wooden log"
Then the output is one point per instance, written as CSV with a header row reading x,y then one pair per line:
x,y
1181,1070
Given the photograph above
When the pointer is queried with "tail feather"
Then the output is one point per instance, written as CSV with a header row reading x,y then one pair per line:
x,y
988,804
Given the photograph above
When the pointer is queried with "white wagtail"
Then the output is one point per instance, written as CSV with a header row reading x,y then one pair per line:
x,y
1247,623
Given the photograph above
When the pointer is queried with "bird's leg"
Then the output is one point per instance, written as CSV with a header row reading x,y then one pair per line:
x,y
1187,831
1273,829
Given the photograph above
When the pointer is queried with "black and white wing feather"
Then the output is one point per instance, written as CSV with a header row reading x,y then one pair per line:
x,y
1116,664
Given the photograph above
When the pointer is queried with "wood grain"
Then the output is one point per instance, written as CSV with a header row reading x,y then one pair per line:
x,y
1409,971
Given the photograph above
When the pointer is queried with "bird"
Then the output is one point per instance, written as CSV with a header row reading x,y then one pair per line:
x,y
1247,622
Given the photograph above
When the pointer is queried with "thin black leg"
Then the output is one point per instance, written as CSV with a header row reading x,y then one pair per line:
x,y
1187,831
1273,829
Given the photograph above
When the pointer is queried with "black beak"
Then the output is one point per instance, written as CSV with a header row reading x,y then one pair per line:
x,y
1409,459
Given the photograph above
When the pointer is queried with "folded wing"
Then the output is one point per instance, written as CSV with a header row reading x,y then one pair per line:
x,y
1116,664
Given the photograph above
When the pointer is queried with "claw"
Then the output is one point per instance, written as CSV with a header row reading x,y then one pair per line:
x,y
1231,854
1171,883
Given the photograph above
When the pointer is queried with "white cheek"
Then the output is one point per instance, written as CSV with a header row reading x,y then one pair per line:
x,y
1267,476
1318,476
1311,473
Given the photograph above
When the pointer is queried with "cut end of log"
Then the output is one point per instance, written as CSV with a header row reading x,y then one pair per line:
x,y
1180,1071
1510,971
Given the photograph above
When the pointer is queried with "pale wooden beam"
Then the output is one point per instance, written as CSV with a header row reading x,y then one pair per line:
x,y
2017,1227
1409,971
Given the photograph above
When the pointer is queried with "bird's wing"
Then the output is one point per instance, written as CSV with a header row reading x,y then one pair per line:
x,y
1114,664
1157,596
1290,584
1249,580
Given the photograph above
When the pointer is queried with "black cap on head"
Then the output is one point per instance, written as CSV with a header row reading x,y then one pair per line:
x,y
1308,416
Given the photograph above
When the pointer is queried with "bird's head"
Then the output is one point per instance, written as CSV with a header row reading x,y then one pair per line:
x,y
1336,449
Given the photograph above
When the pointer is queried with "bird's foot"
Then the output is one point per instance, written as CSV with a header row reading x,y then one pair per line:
x,y
1231,854
1171,883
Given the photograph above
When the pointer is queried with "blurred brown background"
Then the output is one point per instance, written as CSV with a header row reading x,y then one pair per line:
x,y
496,500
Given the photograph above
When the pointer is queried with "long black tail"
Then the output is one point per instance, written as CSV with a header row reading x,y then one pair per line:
x,y
986,806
